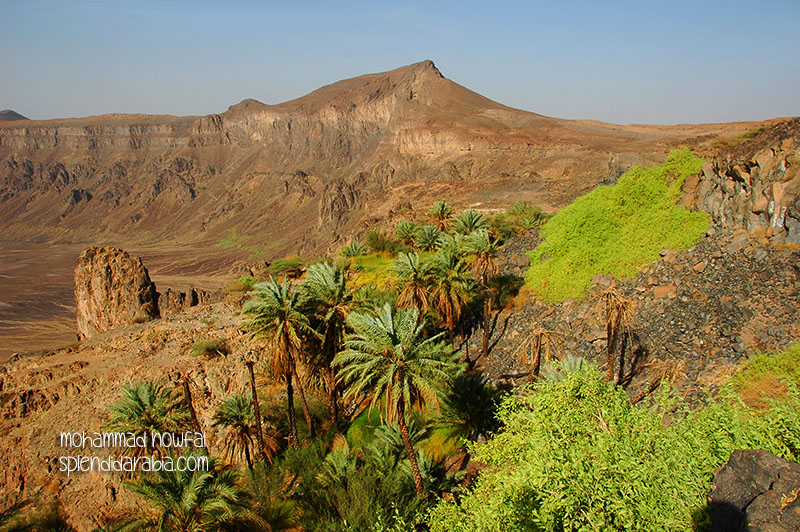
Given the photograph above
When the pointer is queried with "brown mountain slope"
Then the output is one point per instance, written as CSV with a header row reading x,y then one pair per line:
x,y
303,175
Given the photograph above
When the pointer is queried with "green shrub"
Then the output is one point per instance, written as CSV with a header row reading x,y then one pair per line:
x,y
465,222
406,231
379,242
616,229
577,455
291,267
210,348
243,284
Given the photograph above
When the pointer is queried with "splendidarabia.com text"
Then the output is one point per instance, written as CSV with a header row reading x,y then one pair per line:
x,y
131,464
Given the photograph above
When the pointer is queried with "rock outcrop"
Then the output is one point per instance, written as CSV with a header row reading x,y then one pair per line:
x,y
173,302
755,184
756,492
112,288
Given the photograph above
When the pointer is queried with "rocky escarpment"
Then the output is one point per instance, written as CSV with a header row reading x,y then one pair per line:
x,y
698,313
112,289
755,185
174,301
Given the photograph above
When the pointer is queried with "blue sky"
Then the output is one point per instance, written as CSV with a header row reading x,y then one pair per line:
x,y
622,62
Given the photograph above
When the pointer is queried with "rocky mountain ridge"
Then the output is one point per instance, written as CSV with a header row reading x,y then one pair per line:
x,y
302,175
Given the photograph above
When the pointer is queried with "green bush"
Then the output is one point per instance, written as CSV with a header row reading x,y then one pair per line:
x,y
379,242
291,267
616,229
210,348
577,455
243,284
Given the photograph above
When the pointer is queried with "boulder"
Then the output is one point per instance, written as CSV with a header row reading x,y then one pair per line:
x,y
756,491
112,288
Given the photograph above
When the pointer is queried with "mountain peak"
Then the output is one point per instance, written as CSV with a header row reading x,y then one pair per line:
x,y
7,115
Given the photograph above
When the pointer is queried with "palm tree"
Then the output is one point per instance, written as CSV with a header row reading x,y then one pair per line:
x,y
332,297
469,407
147,407
469,221
387,358
484,249
277,318
236,414
266,511
414,276
353,249
451,287
428,238
200,500
406,232
441,212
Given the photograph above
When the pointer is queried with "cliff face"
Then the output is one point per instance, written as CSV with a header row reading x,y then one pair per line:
x,y
756,184
298,175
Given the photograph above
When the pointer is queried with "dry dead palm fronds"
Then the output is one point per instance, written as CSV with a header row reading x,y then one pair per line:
x,y
665,370
541,342
619,311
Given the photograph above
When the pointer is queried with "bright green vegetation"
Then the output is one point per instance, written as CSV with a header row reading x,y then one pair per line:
x,y
212,347
373,269
577,455
768,377
616,229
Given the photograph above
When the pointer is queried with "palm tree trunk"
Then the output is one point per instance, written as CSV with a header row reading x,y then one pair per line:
x,y
611,340
248,458
333,398
412,457
290,399
451,326
306,412
487,322
537,358
256,410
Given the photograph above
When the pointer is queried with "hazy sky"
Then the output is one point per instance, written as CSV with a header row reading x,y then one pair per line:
x,y
624,62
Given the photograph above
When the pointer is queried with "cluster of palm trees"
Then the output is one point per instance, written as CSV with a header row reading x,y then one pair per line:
x,y
384,355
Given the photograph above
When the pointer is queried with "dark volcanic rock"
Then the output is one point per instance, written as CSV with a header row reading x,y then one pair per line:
x,y
112,288
755,185
756,491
